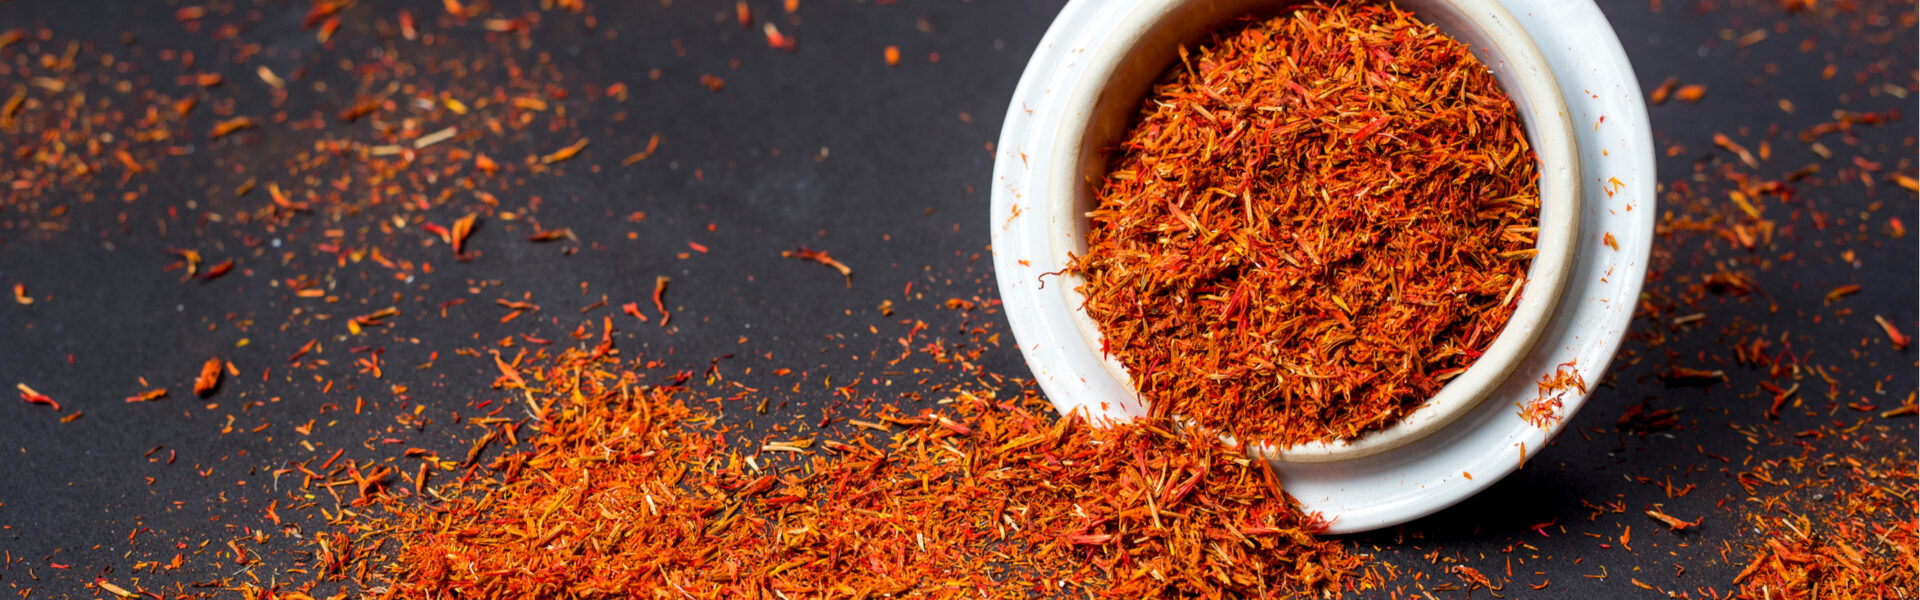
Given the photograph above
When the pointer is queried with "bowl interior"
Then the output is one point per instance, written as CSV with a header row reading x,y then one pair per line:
x,y
1124,67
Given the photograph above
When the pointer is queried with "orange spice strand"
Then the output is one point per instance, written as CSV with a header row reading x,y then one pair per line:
x,y
209,377
1899,340
462,229
30,396
1312,226
659,301
820,256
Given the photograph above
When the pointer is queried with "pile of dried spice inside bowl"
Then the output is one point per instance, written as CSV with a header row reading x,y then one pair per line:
x,y
1317,221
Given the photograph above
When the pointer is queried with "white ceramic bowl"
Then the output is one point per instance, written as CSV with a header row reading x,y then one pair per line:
x,y
1383,485
1104,103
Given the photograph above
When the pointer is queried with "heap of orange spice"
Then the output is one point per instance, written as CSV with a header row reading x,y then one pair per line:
x,y
1317,221
627,490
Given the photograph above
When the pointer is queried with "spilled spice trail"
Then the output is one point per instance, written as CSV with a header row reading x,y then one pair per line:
x,y
1318,220
626,490
1861,545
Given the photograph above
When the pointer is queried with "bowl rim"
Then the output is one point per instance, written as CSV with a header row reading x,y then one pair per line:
x,y
1549,129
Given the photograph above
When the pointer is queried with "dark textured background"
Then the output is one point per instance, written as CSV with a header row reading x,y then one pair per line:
x,y
902,198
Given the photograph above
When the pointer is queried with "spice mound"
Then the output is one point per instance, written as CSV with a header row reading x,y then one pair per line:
x,y
1316,222
630,491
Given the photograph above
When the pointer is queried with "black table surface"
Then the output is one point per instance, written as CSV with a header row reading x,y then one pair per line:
x,y
888,169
